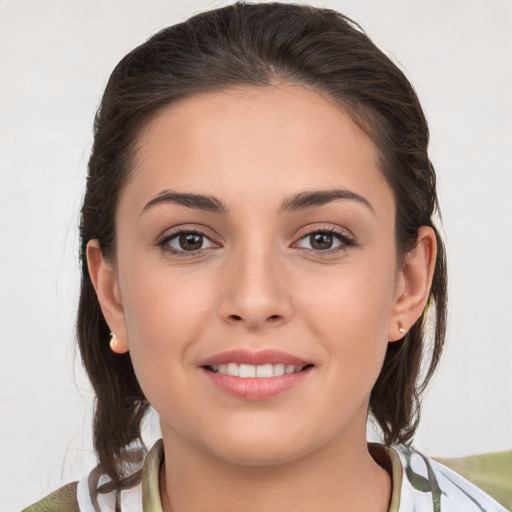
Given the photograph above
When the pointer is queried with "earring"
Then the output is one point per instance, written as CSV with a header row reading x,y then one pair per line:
x,y
401,328
114,343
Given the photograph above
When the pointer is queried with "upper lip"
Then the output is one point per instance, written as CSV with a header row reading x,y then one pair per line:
x,y
243,356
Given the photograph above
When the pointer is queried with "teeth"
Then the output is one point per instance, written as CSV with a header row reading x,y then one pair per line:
x,y
266,370
278,369
249,370
289,368
232,369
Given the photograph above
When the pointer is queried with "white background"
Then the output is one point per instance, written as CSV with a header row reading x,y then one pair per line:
x,y
55,57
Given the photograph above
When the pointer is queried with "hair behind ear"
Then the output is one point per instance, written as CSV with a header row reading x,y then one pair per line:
x,y
396,396
120,403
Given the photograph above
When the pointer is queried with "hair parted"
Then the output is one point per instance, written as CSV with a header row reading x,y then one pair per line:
x,y
259,45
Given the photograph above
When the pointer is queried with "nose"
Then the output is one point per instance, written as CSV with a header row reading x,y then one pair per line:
x,y
256,294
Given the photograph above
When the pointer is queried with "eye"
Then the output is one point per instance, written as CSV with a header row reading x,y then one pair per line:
x,y
325,240
189,241
321,241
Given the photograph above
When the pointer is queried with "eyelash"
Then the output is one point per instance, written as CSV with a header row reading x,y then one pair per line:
x,y
165,241
342,236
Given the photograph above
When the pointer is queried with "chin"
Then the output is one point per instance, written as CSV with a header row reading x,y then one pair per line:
x,y
259,454
259,445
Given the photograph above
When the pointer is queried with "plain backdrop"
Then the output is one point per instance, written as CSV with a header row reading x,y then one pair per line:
x,y
55,58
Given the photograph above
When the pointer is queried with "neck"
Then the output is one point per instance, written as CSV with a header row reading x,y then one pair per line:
x,y
341,476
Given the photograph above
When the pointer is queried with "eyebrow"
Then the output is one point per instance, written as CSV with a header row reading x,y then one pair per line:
x,y
196,201
320,197
297,202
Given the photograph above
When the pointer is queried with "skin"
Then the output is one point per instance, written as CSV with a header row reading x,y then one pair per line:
x,y
259,282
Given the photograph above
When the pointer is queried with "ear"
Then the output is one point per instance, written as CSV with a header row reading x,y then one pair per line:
x,y
105,282
413,284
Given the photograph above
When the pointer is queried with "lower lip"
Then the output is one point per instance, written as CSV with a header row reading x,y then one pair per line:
x,y
253,388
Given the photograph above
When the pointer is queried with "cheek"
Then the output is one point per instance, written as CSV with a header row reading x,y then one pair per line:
x,y
355,300
351,315
159,301
165,314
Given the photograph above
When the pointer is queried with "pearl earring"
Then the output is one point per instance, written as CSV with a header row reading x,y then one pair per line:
x,y
114,343
401,328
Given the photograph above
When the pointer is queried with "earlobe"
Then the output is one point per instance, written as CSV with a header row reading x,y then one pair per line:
x,y
105,282
416,280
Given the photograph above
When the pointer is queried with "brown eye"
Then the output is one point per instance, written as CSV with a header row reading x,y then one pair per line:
x,y
190,241
328,241
321,241
187,242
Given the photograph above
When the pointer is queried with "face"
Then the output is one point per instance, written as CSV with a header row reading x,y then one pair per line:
x,y
256,279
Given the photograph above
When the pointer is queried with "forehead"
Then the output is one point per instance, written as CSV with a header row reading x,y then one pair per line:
x,y
250,138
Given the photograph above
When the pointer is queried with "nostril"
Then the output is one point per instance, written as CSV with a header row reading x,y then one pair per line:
x,y
236,317
273,317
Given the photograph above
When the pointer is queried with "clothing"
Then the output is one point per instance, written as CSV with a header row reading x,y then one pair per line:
x,y
420,484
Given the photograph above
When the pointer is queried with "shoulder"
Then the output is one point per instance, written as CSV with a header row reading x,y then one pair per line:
x,y
96,493
428,485
61,500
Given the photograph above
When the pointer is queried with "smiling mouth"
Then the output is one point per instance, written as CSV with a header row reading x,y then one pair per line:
x,y
246,371
258,375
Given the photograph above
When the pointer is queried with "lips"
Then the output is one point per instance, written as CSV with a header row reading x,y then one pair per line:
x,y
255,375
254,358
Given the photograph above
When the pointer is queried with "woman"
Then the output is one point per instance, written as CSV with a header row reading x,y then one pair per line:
x,y
259,257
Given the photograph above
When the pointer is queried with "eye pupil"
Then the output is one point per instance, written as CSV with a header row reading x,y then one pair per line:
x,y
190,241
321,241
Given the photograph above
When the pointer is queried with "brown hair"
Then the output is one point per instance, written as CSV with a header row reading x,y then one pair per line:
x,y
258,45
